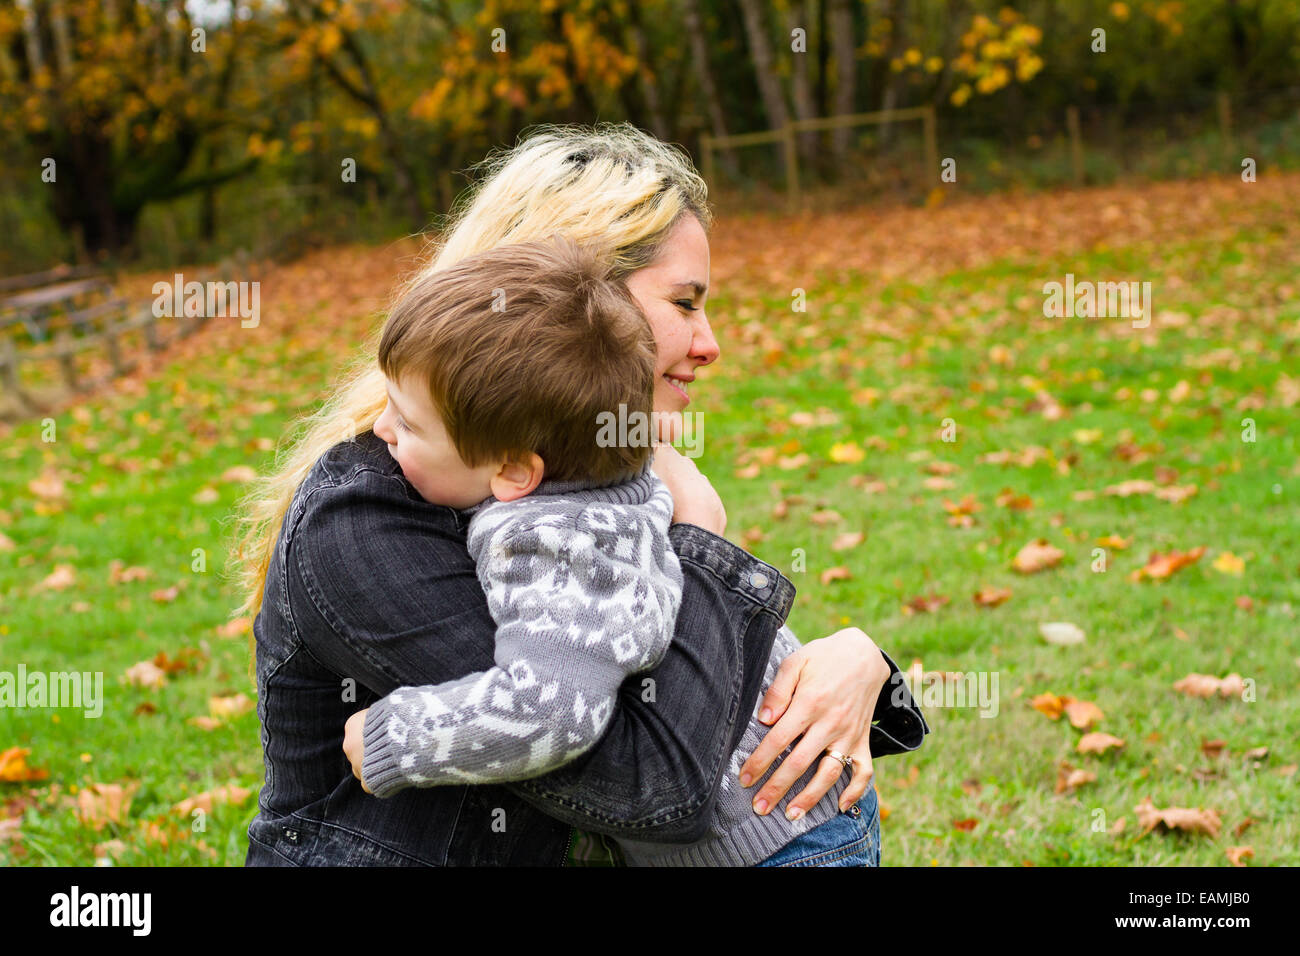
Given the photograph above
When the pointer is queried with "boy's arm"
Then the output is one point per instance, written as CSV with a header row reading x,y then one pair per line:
x,y
573,621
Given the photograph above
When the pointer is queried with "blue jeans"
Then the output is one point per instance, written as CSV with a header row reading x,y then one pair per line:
x,y
851,838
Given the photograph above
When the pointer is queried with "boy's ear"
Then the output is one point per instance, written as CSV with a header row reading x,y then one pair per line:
x,y
519,476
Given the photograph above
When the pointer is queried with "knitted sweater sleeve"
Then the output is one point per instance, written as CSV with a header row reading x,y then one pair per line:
x,y
582,599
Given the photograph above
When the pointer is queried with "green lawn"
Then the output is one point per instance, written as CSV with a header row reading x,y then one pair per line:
x,y
890,363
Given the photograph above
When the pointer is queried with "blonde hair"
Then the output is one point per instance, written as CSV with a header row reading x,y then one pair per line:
x,y
566,347
612,188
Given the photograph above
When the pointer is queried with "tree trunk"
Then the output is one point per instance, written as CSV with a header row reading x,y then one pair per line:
x,y
897,46
840,27
708,89
769,87
799,85
645,72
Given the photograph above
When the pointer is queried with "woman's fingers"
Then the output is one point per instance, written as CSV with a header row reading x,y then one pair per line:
x,y
863,769
790,770
775,703
828,771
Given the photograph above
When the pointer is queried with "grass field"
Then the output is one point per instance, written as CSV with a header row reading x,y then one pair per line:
x,y
823,424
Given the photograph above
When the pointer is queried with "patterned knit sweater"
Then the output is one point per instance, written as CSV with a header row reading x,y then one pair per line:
x,y
584,588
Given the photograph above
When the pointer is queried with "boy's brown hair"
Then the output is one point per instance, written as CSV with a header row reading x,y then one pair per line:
x,y
522,347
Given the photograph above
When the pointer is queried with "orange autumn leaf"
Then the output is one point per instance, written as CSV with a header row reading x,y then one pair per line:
x,y
1010,500
63,576
1068,777
205,801
838,573
1097,743
965,825
1050,705
100,804
1237,855
992,597
1207,685
1202,821
1115,541
925,604
1083,714
146,674
847,540
1037,556
1160,566
231,706
14,768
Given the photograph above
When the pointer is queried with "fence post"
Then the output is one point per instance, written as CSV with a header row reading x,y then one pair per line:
x,y
931,146
791,167
67,359
706,157
1076,143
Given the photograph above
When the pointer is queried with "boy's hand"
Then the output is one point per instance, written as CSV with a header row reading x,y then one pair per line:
x,y
354,744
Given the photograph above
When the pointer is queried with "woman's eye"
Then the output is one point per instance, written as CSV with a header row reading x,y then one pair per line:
x,y
686,304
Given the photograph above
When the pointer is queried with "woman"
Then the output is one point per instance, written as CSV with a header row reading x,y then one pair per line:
x,y
360,587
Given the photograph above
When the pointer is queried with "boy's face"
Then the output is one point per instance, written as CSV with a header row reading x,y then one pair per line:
x,y
418,441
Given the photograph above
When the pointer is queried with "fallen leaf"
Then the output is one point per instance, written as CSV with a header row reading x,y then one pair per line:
x,y
1177,818
938,484
789,463
1082,714
238,473
847,540
100,804
1097,743
924,604
1050,705
1229,563
14,768
1115,541
230,706
1207,685
63,576
825,516
146,674
1067,777
846,453
1237,855
207,800
1160,566
839,573
1213,748
1061,633
166,595
991,597
49,486
965,825
206,496
1037,556
1126,489
204,722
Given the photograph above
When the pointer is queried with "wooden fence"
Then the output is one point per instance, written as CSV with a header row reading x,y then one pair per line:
x,y
64,334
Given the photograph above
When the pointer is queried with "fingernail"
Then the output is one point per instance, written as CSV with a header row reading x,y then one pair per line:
x,y
746,780
792,814
766,715
760,806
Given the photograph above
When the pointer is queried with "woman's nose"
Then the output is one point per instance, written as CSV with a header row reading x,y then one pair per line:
x,y
704,347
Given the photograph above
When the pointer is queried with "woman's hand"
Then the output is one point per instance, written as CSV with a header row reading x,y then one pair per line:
x,y
826,691
354,744
694,500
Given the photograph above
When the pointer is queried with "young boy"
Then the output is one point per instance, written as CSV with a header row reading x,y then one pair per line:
x,y
498,369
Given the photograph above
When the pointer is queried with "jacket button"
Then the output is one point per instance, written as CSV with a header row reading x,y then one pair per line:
x,y
291,835
758,579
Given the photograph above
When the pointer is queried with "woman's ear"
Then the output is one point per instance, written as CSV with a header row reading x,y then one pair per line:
x,y
519,476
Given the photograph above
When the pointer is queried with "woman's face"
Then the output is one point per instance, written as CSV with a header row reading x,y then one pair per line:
x,y
672,292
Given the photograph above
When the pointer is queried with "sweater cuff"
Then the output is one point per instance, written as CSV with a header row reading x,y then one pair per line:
x,y
379,762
